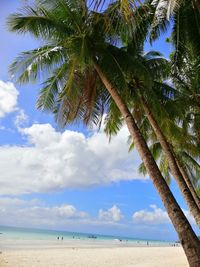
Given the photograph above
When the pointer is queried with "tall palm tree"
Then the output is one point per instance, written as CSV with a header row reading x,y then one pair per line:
x,y
140,28
184,16
176,168
75,45
186,78
156,66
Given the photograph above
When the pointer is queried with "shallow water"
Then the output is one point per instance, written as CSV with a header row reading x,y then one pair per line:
x,y
23,238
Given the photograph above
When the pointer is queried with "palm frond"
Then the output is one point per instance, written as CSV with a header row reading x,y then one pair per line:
x,y
113,120
39,22
31,64
51,88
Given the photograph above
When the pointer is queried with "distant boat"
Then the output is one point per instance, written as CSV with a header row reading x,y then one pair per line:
x,y
92,236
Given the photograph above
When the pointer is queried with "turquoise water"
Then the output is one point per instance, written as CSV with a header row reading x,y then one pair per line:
x,y
12,237
37,234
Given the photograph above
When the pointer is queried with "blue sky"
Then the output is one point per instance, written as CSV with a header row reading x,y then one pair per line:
x,y
71,180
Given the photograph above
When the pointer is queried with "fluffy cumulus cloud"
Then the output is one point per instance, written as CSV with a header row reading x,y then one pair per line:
x,y
19,212
53,161
156,216
34,213
112,214
8,98
15,211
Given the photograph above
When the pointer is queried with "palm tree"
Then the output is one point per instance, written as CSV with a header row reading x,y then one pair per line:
x,y
174,164
156,66
185,36
176,168
141,31
186,78
76,49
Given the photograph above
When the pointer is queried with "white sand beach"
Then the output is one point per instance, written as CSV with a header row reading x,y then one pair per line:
x,y
95,257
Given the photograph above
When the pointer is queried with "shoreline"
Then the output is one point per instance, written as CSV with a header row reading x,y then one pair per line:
x,y
21,244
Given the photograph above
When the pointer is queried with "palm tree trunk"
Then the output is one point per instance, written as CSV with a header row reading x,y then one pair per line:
x,y
189,240
189,183
184,185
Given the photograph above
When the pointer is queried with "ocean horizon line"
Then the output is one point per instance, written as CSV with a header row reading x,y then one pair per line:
x,y
74,234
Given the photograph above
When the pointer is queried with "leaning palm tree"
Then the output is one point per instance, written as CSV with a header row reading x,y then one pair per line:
x,y
133,33
76,50
185,16
176,167
143,97
186,78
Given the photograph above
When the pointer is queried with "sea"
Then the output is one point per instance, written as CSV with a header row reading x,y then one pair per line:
x,y
26,238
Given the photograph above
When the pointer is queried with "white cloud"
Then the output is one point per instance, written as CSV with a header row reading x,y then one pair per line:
x,y
112,214
156,216
21,212
15,211
18,212
8,98
53,161
20,119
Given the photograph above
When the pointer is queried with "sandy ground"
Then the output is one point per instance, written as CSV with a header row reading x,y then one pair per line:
x,y
95,257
